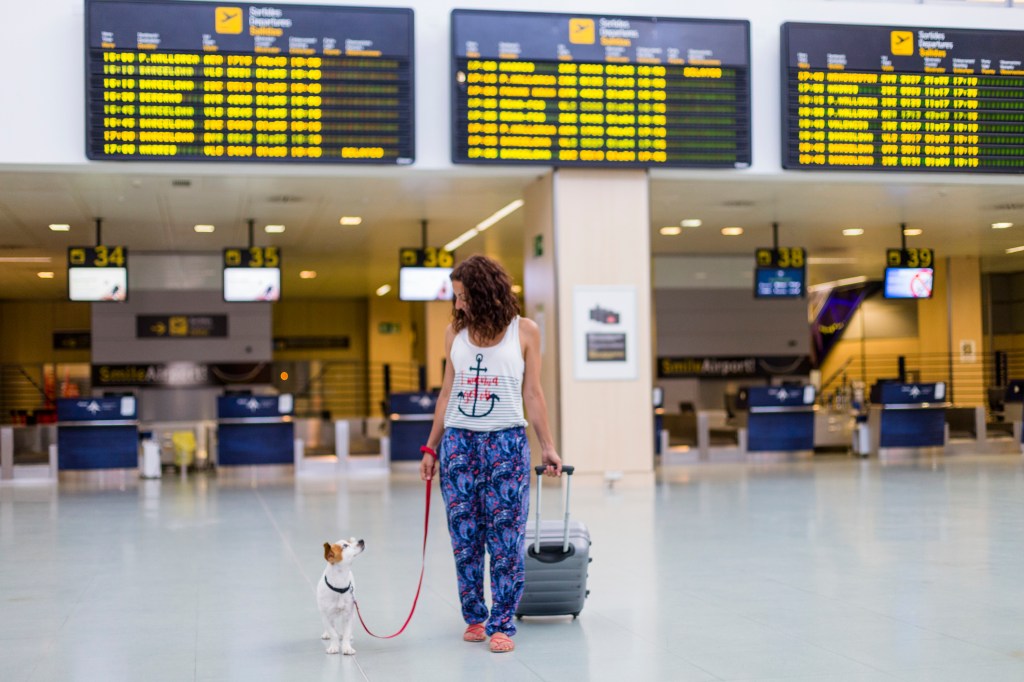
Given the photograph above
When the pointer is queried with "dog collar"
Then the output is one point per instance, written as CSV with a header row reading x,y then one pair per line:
x,y
339,591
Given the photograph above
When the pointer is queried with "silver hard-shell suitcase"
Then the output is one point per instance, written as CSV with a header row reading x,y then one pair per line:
x,y
557,559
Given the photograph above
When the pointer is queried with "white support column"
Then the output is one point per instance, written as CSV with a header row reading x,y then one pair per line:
x,y
594,237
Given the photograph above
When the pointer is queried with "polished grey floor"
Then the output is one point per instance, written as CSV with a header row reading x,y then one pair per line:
x,y
839,570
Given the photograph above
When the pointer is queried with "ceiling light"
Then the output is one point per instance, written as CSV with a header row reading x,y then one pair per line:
x,y
732,231
671,230
307,274
461,239
853,232
1016,249
995,226
204,228
483,225
912,231
691,222
25,259
836,283
44,275
60,227
498,215
274,229
517,289
350,220
383,290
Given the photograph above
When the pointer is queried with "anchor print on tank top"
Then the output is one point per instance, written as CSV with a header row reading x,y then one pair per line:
x,y
480,391
487,389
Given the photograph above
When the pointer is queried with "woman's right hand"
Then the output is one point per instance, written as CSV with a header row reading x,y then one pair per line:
x,y
428,467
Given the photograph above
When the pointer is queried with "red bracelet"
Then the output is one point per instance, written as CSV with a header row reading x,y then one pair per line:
x,y
427,450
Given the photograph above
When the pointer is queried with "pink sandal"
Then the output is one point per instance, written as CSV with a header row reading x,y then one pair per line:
x,y
501,643
474,633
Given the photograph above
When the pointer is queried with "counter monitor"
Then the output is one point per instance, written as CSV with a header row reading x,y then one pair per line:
x,y
98,273
902,99
594,90
908,282
252,274
774,282
424,284
203,81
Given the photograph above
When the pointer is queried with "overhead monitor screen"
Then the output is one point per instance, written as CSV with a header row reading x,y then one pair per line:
x,y
908,282
779,282
205,81
902,98
598,90
425,284
246,285
98,284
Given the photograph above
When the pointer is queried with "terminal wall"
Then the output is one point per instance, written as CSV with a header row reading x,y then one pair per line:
x,y
27,328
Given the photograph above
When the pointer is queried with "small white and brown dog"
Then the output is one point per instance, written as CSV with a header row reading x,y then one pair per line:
x,y
335,594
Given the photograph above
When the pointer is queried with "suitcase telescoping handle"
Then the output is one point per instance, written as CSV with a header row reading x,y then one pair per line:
x,y
567,470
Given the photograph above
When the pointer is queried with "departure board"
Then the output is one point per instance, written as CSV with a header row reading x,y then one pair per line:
x,y
204,81
902,99
589,90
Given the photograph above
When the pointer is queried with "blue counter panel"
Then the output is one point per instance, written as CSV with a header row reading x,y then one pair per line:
x,y
97,447
414,402
244,444
249,406
776,396
406,439
895,393
780,431
1015,391
912,428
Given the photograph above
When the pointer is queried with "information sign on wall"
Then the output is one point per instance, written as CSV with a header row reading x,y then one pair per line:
x,y
604,332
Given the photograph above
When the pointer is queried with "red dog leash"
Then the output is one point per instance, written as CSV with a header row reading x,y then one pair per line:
x,y
423,566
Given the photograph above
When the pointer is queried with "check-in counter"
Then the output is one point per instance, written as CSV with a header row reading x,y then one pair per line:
x,y
907,417
255,429
97,433
779,418
410,417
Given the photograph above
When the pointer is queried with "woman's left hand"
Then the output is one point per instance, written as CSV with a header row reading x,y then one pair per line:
x,y
552,462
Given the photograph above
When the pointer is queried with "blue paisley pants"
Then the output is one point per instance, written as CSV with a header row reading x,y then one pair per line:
x,y
485,481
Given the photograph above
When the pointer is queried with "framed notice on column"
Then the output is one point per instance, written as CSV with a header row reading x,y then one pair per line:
x,y
604,332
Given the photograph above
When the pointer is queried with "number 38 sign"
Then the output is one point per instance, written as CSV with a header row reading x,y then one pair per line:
x,y
782,257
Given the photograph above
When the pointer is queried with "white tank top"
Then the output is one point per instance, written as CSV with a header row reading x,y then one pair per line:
x,y
487,394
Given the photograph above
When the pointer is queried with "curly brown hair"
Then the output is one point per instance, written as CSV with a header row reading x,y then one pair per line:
x,y
490,303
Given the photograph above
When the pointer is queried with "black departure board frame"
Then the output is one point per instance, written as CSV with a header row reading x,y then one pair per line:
x,y
658,65
177,80
896,98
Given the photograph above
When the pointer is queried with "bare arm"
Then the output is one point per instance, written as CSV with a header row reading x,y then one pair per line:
x,y
533,396
428,466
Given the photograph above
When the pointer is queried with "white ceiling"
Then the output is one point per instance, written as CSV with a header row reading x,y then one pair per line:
x,y
156,211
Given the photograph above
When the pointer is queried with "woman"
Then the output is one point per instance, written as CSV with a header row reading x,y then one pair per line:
x,y
479,428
